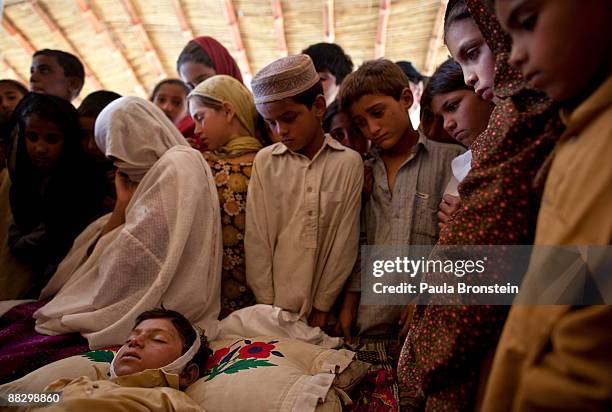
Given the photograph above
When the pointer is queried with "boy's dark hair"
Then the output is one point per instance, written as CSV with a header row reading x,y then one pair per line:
x,y
193,52
330,57
175,82
373,77
447,78
413,74
308,97
14,83
69,62
185,330
456,10
331,110
95,102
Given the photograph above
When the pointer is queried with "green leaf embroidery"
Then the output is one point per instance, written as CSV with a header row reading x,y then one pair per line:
x,y
239,366
100,355
247,364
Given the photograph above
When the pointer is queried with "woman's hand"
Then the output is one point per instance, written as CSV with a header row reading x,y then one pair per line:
x,y
125,189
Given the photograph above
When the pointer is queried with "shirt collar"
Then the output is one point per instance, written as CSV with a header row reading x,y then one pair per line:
x,y
592,107
423,143
149,378
280,148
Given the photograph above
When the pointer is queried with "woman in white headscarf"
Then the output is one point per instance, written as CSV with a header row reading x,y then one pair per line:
x,y
160,246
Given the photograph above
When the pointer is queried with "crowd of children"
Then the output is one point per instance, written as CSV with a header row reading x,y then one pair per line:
x,y
210,198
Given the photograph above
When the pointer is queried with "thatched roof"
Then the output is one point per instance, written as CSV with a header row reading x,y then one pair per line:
x,y
129,45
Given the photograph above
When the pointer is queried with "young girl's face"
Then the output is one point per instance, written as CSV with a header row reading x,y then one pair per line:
x,y
194,73
44,142
465,115
171,98
469,49
212,125
9,97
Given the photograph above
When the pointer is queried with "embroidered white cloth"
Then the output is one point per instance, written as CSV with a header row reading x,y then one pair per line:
x,y
268,320
169,250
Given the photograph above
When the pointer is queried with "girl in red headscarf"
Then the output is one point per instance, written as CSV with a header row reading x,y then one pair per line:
x,y
201,58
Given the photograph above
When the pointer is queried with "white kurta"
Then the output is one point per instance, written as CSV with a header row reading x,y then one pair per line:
x,y
302,225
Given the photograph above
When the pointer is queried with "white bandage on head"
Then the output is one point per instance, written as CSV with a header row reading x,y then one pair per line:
x,y
175,367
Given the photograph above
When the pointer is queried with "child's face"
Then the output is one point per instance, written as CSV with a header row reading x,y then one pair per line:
x,y
294,124
153,344
212,125
464,114
469,49
9,97
47,77
172,100
44,142
341,130
88,141
194,73
381,118
560,46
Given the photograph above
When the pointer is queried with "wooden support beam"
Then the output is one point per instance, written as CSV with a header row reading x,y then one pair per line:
x,y
182,18
9,67
436,39
329,21
101,29
279,26
145,40
18,35
53,27
384,10
243,59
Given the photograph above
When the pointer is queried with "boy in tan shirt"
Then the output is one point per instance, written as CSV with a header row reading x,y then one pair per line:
x,y
558,357
302,221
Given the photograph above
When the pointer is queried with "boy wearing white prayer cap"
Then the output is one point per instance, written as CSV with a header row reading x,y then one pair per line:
x,y
302,220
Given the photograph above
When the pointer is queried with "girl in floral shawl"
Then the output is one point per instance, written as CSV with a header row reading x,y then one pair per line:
x,y
442,357
225,121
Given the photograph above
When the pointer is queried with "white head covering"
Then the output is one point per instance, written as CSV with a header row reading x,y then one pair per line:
x,y
135,133
177,365
169,249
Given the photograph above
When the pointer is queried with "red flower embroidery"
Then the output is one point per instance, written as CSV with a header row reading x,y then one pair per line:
x,y
216,357
256,350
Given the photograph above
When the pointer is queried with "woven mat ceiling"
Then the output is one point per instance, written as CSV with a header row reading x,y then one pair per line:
x,y
129,45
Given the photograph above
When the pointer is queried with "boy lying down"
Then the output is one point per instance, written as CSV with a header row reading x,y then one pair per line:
x,y
161,357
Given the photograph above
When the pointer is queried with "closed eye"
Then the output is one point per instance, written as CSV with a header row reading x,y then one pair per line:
x,y
451,107
472,54
528,22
